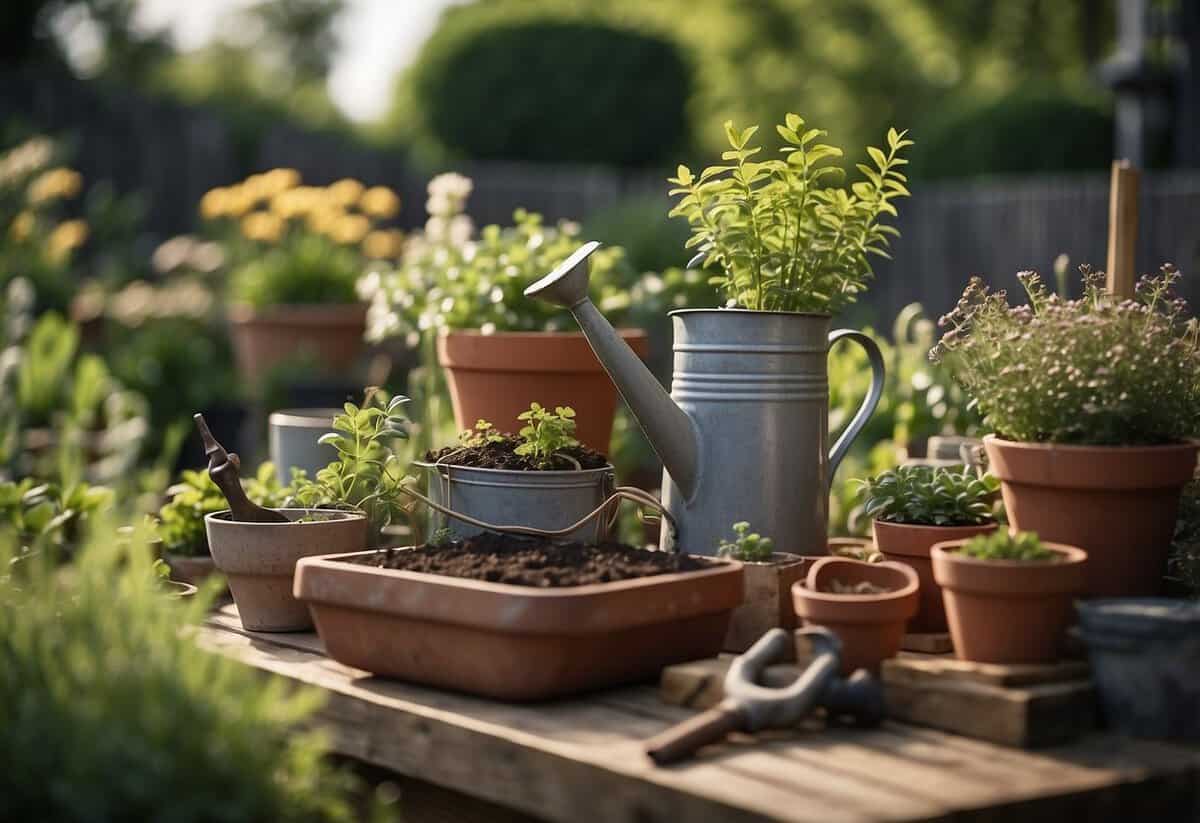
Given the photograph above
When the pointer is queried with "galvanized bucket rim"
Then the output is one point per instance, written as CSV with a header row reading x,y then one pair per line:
x,y
751,311
607,468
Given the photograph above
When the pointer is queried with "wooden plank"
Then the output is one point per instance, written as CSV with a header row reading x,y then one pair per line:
x,y
927,642
582,759
934,669
1122,228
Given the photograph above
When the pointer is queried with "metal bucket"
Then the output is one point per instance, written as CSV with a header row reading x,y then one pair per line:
x,y
548,500
292,437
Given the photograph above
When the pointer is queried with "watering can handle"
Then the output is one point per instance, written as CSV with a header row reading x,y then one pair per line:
x,y
868,405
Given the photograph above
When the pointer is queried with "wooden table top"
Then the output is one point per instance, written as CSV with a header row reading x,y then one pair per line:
x,y
580,760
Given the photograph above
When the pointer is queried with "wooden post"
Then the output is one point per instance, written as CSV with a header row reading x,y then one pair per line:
x,y
1122,228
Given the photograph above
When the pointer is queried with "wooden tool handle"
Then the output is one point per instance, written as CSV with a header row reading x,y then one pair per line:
x,y
681,742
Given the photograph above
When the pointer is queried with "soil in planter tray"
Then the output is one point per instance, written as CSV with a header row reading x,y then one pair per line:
x,y
500,455
523,561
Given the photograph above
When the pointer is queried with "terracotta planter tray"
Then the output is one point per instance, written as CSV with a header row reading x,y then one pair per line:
x,y
515,643
1026,707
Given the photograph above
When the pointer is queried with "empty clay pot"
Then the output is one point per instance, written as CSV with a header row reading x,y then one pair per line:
x,y
910,544
766,599
515,642
495,377
259,560
1008,611
1117,503
332,336
870,626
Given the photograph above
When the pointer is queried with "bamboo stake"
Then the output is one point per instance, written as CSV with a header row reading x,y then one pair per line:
x,y
1122,228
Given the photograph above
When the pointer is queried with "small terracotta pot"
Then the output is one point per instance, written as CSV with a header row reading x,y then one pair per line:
x,y
515,642
766,599
834,545
1008,611
910,544
332,336
495,377
870,626
259,560
1117,503
194,570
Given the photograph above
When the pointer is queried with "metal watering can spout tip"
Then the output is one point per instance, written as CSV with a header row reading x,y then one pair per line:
x,y
567,285
668,428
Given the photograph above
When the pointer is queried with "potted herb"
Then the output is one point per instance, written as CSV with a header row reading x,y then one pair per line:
x,y
497,346
294,253
789,246
865,604
767,578
515,618
1093,403
49,517
915,507
541,477
180,525
1008,596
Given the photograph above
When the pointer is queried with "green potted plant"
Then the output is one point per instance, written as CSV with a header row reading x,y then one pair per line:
x,y
915,507
462,291
1008,595
294,253
1094,403
867,605
767,578
180,524
542,477
49,517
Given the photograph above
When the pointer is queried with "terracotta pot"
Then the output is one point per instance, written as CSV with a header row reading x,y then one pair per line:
x,y
1008,611
766,599
332,336
1117,503
259,560
870,626
495,377
194,570
910,544
515,642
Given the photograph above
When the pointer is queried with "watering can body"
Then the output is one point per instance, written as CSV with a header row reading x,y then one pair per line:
x,y
744,433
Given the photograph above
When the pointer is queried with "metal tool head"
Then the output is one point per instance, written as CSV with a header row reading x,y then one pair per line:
x,y
567,285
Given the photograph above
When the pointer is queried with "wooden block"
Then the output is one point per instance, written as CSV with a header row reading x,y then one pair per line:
x,y
928,643
919,670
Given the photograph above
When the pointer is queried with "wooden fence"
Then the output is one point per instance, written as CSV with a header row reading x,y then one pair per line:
x,y
172,153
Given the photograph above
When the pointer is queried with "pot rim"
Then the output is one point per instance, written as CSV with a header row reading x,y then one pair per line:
x,y
947,549
425,464
623,331
285,313
910,588
1004,443
336,562
785,559
915,526
718,310
342,516
303,418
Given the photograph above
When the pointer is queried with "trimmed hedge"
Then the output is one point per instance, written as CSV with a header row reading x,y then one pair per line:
x,y
555,91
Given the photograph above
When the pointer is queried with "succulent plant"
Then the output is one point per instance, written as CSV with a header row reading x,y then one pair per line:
x,y
748,546
930,496
1001,545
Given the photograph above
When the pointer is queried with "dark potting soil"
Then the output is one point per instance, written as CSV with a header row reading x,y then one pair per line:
x,y
522,561
861,587
502,455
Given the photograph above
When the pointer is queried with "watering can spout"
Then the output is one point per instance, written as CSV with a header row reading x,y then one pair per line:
x,y
669,429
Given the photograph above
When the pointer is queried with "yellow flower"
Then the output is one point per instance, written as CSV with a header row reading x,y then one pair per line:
x,y
383,244
345,192
55,184
350,229
380,201
324,219
22,226
262,226
241,199
66,237
215,203
280,180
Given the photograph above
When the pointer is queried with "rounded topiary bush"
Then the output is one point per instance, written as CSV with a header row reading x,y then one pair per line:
x,y
553,91
1025,131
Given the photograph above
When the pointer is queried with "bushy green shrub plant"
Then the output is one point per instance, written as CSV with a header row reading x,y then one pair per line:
x,y
1098,371
546,433
930,496
783,233
110,710
181,519
1003,545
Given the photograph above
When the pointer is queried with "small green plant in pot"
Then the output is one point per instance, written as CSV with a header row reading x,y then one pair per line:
x,y
1008,596
1095,404
767,580
541,477
915,507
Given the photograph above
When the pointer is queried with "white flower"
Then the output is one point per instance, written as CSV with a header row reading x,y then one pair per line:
x,y
451,185
460,229
488,328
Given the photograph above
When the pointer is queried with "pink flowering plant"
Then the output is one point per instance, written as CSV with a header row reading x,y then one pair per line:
x,y
1099,370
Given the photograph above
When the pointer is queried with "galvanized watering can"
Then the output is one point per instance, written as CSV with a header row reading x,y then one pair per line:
x,y
744,432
